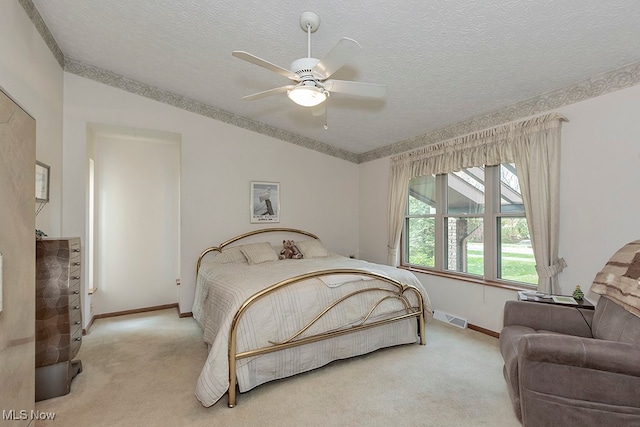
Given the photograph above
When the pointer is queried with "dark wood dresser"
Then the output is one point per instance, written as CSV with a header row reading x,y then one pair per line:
x,y
58,315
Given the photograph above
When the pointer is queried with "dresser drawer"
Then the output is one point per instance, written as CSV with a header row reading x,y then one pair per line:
x,y
75,260
74,281
74,265
74,285
76,341
74,305
74,248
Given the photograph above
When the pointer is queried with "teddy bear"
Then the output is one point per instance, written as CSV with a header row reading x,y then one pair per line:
x,y
290,250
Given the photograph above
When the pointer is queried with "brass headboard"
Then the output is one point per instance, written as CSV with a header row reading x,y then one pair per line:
x,y
221,246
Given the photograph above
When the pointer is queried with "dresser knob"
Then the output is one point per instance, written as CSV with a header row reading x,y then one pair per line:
x,y
76,277
76,307
77,322
78,339
76,292
76,250
76,263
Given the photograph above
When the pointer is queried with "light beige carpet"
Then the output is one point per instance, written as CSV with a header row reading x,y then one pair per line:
x,y
141,370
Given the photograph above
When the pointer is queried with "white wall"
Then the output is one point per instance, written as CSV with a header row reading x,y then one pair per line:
x,y
599,205
374,211
319,193
32,77
137,202
600,187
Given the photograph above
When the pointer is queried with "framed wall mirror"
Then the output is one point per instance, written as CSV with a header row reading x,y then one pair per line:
x,y
42,182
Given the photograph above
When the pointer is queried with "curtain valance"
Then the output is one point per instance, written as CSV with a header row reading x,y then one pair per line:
x,y
487,147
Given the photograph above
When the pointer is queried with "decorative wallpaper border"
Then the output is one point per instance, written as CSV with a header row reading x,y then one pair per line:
x,y
602,84
115,80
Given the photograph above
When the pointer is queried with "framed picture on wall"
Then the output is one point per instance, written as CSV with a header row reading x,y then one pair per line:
x,y
42,182
265,202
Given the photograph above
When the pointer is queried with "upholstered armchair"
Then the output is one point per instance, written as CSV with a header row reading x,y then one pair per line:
x,y
566,366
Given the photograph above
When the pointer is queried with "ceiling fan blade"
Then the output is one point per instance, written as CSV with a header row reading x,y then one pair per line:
x,y
319,110
369,90
341,53
265,64
268,92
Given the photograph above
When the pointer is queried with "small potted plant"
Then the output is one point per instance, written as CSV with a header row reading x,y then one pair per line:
x,y
577,293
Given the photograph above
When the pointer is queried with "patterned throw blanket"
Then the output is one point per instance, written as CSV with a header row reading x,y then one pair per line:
x,y
619,280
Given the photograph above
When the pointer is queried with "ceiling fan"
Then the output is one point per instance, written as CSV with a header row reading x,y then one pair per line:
x,y
312,85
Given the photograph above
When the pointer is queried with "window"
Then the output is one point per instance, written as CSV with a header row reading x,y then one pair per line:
x,y
470,222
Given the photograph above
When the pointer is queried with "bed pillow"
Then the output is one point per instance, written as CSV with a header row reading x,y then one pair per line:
x,y
257,253
230,256
312,248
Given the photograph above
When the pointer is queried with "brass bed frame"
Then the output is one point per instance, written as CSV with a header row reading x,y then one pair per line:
x,y
397,291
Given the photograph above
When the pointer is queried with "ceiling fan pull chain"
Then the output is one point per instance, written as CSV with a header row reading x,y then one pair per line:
x,y
326,107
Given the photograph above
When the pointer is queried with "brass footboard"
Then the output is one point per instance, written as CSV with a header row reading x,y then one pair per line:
x,y
397,291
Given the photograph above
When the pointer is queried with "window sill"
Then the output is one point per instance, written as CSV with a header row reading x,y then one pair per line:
x,y
469,279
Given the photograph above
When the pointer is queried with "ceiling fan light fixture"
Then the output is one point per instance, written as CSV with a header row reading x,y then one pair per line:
x,y
307,95
311,87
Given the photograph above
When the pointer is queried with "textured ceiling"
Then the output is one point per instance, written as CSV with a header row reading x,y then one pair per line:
x,y
443,61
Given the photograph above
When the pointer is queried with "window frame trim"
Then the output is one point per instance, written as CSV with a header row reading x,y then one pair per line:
x,y
502,284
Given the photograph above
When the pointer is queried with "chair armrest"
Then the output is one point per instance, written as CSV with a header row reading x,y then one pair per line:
x,y
548,317
588,353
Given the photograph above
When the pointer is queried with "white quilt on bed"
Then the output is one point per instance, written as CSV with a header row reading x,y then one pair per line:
x,y
222,288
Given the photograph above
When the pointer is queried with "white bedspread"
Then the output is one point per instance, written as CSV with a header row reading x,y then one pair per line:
x,y
222,288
